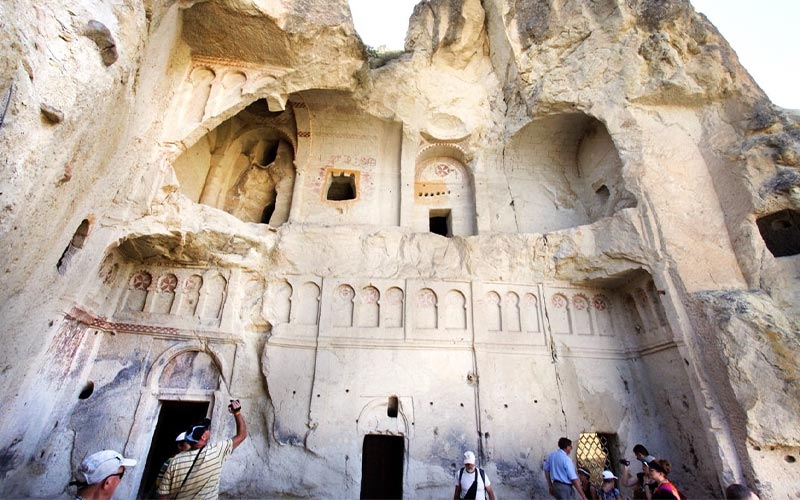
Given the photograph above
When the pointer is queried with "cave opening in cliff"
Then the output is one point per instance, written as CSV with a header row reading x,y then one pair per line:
x,y
174,418
382,466
781,232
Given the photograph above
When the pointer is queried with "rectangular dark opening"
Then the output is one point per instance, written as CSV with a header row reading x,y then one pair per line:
x,y
342,187
440,222
174,418
597,452
382,467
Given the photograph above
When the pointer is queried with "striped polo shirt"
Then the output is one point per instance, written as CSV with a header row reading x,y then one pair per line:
x,y
203,482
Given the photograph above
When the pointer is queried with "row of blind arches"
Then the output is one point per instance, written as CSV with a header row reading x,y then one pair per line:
x,y
171,295
368,307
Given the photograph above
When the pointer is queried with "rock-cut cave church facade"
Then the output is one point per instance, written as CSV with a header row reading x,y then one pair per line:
x,y
543,219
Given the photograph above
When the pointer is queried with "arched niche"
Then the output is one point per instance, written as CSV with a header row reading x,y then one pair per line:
x,y
444,192
244,166
557,172
190,369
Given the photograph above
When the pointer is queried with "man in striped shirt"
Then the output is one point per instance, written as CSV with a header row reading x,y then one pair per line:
x,y
195,474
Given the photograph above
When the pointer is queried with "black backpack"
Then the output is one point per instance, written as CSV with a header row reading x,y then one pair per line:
x,y
472,492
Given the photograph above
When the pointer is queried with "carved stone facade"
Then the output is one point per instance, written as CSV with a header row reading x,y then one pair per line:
x,y
544,219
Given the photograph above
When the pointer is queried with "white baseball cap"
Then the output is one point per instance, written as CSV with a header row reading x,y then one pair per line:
x,y
469,458
181,437
607,474
100,465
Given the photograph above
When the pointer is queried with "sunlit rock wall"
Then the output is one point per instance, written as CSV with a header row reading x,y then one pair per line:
x,y
542,219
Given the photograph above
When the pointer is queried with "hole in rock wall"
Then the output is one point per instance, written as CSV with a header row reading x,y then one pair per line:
x,y
341,186
597,452
174,418
267,214
75,244
87,390
392,407
557,172
244,166
602,194
440,222
382,467
781,232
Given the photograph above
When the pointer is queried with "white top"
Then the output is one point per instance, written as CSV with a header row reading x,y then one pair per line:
x,y
468,478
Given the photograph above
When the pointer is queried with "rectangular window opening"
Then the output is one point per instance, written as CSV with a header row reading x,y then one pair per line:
x,y
440,222
342,187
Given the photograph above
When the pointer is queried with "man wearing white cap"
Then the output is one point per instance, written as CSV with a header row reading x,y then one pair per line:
x,y
609,490
99,475
471,482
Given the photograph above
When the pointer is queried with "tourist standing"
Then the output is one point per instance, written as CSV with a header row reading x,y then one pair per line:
x,y
560,474
196,473
181,445
472,482
589,490
609,490
99,475
642,479
659,470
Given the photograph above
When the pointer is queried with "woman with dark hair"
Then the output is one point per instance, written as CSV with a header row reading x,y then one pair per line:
x,y
659,470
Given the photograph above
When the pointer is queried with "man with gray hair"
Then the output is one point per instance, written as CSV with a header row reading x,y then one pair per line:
x,y
471,482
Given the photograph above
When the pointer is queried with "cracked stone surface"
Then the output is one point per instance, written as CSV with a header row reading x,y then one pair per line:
x,y
539,220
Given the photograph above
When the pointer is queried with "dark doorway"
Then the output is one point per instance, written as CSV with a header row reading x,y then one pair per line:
x,y
440,222
382,467
174,418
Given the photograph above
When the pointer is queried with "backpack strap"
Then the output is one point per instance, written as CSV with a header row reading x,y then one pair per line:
x,y
190,471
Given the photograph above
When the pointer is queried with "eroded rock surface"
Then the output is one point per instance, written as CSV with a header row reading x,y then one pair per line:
x,y
542,219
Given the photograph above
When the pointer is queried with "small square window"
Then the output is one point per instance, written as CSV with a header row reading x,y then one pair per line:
x,y
341,186
440,222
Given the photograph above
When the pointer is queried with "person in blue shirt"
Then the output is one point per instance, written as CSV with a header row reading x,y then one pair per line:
x,y
560,472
